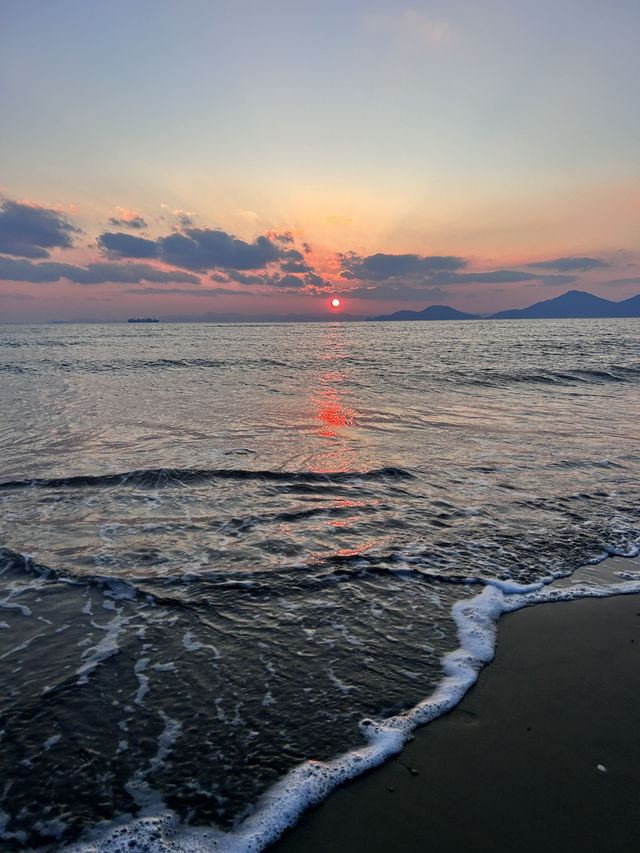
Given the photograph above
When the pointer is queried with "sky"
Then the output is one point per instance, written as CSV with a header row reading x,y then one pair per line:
x,y
183,157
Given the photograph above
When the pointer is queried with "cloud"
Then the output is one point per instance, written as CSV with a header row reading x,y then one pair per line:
x,y
312,279
557,280
396,291
283,237
288,282
244,278
380,267
119,244
96,273
211,291
302,278
206,248
293,261
126,273
184,217
617,282
492,277
571,264
127,219
198,249
21,297
30,231
310,282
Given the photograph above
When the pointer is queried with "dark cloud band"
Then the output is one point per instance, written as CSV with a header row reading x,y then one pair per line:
x,y
96,273
381,267
29,231
199,249
571,264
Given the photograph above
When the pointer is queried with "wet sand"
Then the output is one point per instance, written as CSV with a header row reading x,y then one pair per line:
x,y
543,754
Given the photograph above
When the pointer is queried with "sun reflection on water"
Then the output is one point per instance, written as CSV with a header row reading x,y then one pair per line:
x,y
338,443
334,417
331,411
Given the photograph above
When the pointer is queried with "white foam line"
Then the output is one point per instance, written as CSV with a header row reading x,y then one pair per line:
x,y
140,666
22,646
12,605
309,783
193,645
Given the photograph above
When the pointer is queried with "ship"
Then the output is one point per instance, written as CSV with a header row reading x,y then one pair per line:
x,y
142,320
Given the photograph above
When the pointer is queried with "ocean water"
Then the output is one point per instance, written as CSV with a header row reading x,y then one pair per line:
x,y
239,563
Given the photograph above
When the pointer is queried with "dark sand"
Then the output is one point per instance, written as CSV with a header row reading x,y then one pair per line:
x,y
514,767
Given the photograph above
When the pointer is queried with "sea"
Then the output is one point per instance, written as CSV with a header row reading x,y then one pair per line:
x,y
240,563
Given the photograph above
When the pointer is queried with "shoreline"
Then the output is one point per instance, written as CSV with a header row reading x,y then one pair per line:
x,y
541,753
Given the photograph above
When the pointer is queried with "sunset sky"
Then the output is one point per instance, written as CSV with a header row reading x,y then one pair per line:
x,y
179,157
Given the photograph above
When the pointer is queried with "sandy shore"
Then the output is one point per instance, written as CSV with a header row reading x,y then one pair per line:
x,y
543,754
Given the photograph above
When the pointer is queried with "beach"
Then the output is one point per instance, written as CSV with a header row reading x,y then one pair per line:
x,y
543,753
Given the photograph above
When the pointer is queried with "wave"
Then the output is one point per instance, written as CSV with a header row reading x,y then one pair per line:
x,y
155,478
163,590
488,377
16,368
144,364
578,376
21,564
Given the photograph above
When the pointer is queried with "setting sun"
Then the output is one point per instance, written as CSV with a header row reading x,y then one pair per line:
x,y
335,302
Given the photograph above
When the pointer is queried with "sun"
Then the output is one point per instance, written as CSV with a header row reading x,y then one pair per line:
x,y
335,302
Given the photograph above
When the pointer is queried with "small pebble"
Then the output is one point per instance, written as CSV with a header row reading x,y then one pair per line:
x,y
391,789
601,768
413,771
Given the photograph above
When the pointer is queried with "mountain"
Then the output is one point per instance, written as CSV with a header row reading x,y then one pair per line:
x,y
630,307
433,312
574,303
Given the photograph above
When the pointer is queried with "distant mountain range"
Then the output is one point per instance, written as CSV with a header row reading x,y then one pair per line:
x,y
433,312
572,304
